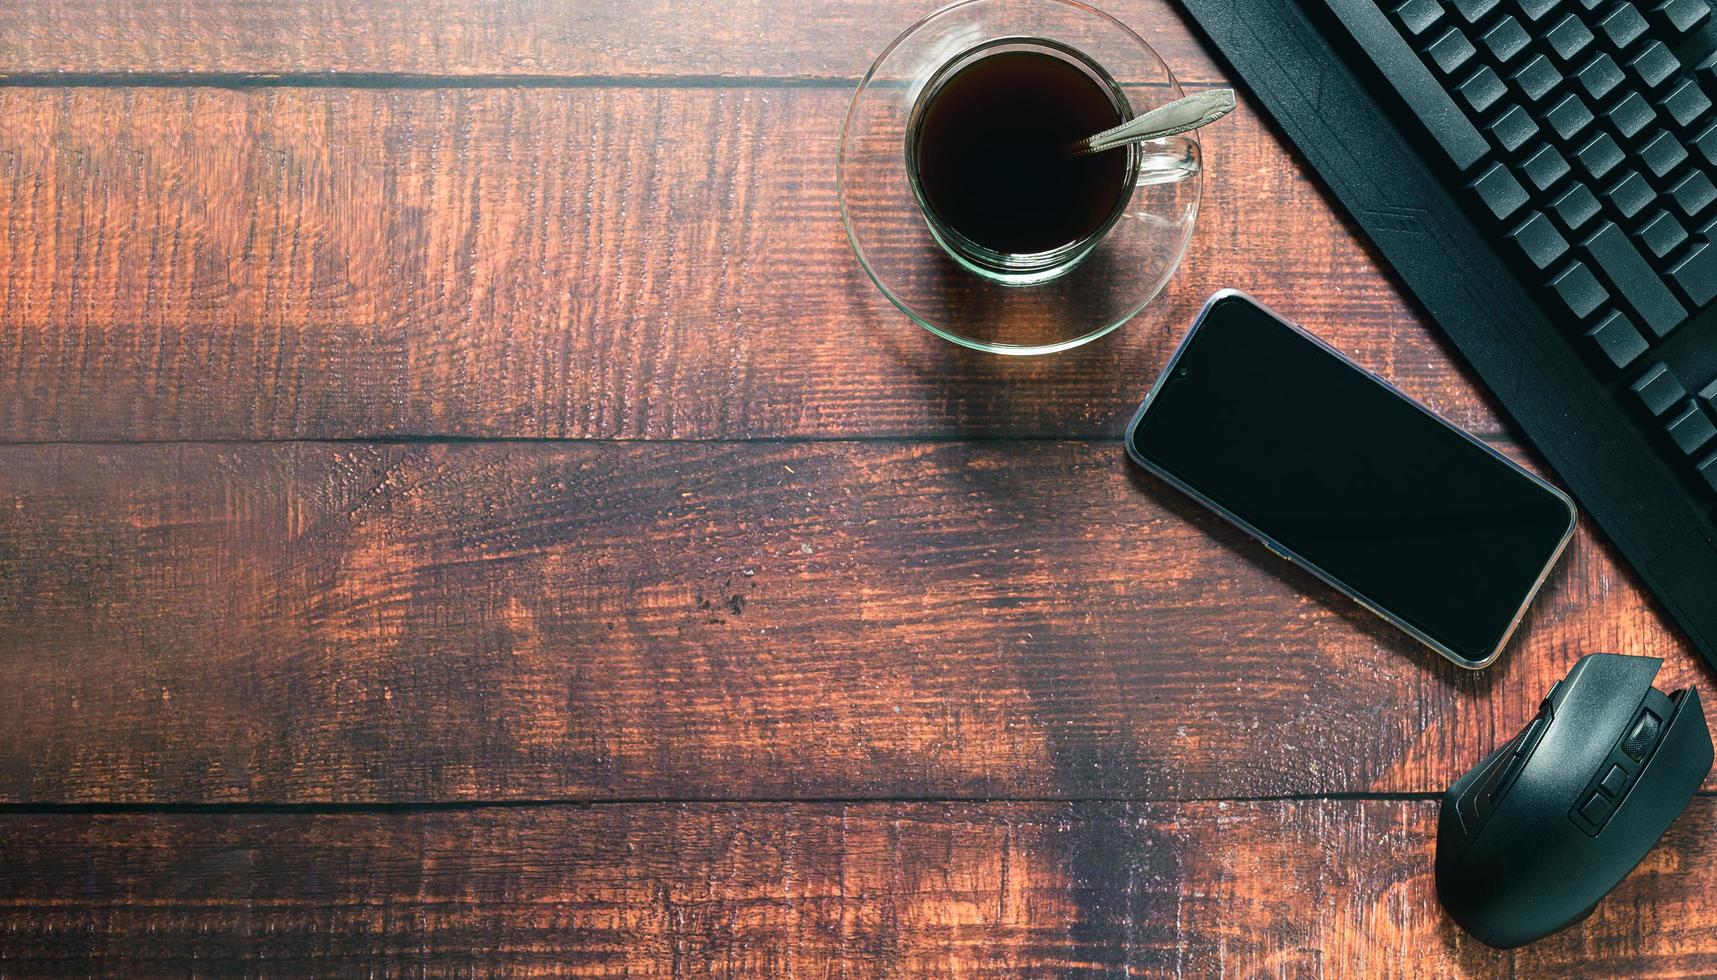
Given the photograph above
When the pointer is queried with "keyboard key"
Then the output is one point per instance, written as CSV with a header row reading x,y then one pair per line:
x,y
1600,76
1696,275
1539,241
1569,38
1708,470
1537,78
1630,194
1632,280
1474,11
1693,194
1654,65
1417,16
1662,234
1579,291
1599,156
1661,154
1677,17
1686,103
1451,51
1706,144
1622,26
1708,395
1513,128
1691,429
1569,117
1631,114
1617,340
1418,88
1505,40
1483,90
1500,193
1544,167
1574,207
1536,10
1658,389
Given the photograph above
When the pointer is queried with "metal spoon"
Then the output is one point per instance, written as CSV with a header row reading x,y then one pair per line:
x,y
1179,116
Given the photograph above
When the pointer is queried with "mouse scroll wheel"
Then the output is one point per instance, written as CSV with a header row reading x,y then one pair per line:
x,y
1642,736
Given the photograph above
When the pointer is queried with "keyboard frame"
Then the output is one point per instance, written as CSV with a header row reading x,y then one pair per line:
x,y
1345,127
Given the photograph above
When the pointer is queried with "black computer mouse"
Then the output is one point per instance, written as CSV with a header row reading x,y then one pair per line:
x,y
1534,836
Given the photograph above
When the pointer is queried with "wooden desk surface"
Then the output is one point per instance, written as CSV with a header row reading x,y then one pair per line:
x,y
462,509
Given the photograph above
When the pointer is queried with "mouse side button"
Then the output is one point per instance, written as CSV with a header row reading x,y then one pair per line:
x,y
1595,809
1614,781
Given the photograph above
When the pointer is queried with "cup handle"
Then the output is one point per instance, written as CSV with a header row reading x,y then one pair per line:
x,y
1167,160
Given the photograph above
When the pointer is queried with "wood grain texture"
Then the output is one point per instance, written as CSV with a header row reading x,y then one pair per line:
x,y
1332,888
641,40
348,623
247,221
614,263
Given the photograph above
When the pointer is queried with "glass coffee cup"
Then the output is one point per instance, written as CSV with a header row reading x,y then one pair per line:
x,y
963,209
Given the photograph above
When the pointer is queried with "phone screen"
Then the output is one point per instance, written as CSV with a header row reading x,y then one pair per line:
x,y
1345,474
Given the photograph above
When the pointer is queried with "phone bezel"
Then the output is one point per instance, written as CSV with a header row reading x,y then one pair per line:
x,y
1277,548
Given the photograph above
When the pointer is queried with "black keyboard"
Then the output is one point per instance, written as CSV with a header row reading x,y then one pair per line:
x,y
1542,175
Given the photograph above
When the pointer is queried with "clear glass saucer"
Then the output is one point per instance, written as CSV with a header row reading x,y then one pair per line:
x,y
893,241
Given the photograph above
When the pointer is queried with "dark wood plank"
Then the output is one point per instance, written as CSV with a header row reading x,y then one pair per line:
x,y
312,622
635,39
1333,888
663,263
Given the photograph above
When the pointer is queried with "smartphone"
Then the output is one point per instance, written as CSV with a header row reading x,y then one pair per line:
x,y
1334,469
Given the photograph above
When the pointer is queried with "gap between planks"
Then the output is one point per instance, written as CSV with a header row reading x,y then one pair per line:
x,y
1487,435
97,809
392,80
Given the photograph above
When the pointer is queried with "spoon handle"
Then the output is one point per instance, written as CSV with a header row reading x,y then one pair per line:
x,y
1179,116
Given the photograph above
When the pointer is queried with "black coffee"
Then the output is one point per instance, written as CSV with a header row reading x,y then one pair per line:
x,y
990,150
